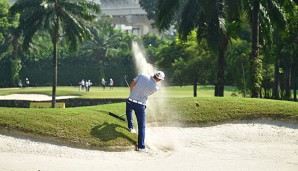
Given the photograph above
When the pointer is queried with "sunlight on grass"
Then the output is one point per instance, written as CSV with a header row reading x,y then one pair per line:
x,y
116,92
93,127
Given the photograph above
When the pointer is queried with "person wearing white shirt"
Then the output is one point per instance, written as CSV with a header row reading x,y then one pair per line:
x,y
140,89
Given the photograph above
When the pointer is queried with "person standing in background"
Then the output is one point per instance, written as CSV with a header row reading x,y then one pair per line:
x,y
103,83
27,82
88,85
111,84
20,84
82,84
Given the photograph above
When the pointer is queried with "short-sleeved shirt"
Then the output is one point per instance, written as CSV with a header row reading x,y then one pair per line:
x,y
144,87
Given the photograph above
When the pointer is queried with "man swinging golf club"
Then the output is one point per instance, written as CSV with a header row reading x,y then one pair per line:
x,y
140,88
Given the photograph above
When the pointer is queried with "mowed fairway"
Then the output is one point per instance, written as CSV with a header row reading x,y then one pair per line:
x,y
116,92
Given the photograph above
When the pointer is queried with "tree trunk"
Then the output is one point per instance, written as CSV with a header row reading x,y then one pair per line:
x,y
243,76
55,61
288,82
55,69
195,86
15,63
276,86
295,83
254,58
219,87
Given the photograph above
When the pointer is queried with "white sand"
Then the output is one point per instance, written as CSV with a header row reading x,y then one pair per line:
x,y
263,145
32,97
259,145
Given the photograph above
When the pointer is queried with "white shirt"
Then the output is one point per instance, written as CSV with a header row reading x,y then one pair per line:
x,y
144,87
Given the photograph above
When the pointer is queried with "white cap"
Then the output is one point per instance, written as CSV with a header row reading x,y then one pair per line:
x,y
160,75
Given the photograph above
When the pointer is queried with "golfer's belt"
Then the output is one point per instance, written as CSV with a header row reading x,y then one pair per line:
x,y
136,101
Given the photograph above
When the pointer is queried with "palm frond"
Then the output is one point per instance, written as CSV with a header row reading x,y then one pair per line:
x,y
288,6
80,9
215,23
31,20
20,5
188,21
74,29
92,7
265,28
274,12
247,10
233,10
166,10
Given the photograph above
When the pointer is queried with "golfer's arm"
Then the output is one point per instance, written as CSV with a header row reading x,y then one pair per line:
x,y
132,85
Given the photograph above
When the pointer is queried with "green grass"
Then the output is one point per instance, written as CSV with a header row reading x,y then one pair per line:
x,y
95,92
92,127
116,92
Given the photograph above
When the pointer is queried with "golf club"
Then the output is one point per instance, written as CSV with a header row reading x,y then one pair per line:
x,y
126,80
120,116
116,116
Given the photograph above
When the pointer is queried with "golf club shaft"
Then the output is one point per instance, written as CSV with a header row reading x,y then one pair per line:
x,y
126,81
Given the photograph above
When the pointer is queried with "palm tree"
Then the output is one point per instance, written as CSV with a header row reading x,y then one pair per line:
x,y
106,38
266,17
62,19
210,18
107,43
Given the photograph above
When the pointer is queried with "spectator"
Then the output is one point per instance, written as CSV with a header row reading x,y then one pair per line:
x,y
20,84
88,85
103,83
111,84
27,82
82,84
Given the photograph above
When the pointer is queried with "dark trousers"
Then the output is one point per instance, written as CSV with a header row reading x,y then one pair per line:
x,y
141,118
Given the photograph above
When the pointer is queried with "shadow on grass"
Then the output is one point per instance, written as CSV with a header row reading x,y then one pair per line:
x,y
110,131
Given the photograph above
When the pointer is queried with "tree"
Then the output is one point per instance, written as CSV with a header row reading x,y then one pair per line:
x,y
187,62
195,67
9,41
151,43
265,16
287,50
4,28
62,19
111,48
238,64
150,7
213,21
166,55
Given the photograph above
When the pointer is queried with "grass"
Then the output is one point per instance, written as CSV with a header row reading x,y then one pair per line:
x,y
92,127
95,92
116,92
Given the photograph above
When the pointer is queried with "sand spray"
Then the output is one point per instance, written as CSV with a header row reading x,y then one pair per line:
x,y
164,140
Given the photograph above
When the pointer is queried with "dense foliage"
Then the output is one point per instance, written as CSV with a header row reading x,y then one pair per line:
x,y
185,61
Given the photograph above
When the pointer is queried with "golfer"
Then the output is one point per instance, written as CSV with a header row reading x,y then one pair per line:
x,y
140,88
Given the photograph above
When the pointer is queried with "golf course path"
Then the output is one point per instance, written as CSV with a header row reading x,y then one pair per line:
x,y
256,145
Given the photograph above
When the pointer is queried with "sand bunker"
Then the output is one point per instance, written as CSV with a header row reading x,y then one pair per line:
x,y
32,97
259,145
